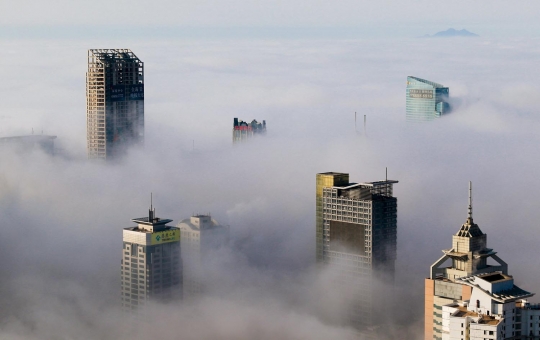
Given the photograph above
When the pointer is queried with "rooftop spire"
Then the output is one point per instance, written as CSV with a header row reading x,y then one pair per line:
x,y
469,217
152,211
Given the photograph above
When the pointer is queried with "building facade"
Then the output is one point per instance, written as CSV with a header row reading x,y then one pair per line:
x,y
356,237
30,143
425,100
114,102
242,131
151,263
471,299
200,236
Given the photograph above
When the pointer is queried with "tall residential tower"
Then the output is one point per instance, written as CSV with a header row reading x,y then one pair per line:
x,y
473,297
114,102
356,236
151,262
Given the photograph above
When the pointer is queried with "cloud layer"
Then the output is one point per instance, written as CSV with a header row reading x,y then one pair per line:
x,y
62,217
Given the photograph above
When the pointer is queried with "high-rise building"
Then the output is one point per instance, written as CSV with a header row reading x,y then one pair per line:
x,y
473,297
29,143
425,100
151,262
356,236
201,236
242,131
114,102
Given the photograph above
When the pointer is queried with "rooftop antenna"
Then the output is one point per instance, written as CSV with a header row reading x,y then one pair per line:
x,y
470,202
152,211
387,174
364,124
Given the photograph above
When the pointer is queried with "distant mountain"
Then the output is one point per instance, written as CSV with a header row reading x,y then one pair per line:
x,y
453,33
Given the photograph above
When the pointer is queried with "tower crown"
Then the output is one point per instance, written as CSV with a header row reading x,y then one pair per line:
x,y
469,252
469,237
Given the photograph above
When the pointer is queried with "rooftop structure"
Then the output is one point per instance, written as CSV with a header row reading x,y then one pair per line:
x,y
425,100
242,131
151,262
472,299
114,102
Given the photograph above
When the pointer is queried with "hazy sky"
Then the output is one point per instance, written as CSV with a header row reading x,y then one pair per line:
x,y
280,18
62,217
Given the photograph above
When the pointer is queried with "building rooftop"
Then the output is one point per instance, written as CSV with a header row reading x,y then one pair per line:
x,y
503,296
494,277
149,231
29,138
479,318
113,54
332,173
198,222
153,221
427,82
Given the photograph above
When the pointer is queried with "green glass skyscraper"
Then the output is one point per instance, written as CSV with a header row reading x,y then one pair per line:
x,y
426,100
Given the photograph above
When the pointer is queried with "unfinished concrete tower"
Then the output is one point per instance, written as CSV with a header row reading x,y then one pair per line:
x,y
114,102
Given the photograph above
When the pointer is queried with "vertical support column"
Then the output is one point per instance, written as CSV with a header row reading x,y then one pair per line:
x,y
428,309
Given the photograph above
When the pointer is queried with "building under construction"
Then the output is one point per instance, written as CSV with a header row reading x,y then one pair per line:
x,y
356,228
114,102
242,131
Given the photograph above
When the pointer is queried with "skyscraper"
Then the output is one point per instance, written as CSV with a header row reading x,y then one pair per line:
x,y
242,131
356,235
425,100
201,235
151,262
473,299
114,102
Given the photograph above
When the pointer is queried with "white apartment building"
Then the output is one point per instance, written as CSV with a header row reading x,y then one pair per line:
x,y
470,299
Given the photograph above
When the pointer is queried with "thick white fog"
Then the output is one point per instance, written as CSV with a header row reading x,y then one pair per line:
x,y
62,217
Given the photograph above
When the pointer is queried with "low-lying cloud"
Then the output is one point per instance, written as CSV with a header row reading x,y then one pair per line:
x,y
62,217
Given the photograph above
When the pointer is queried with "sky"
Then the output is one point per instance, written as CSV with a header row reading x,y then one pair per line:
x,y
62,217
275,18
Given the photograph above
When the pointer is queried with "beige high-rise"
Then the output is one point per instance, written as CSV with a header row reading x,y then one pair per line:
x,y
151,263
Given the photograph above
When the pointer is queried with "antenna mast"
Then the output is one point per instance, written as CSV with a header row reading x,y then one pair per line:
x,y
364,124
470,202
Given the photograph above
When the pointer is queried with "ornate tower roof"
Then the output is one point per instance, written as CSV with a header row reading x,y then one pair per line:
x,y
469,252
